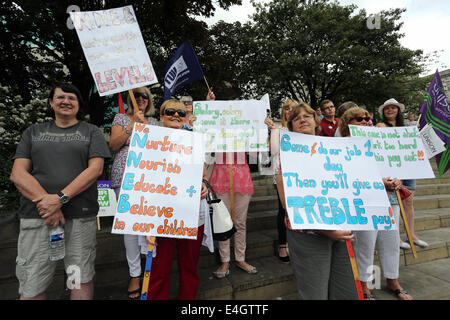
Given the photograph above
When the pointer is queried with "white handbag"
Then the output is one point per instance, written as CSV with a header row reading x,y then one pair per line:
x,y
221,222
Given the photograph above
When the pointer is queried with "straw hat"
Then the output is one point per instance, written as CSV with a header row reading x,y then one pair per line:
x,y
389,102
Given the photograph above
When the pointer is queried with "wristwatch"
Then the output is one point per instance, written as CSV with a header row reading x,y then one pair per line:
x,y
64,198
128,131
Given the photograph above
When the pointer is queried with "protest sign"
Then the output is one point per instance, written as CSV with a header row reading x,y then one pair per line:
x,y
431,141
232,126
114,49
332,184
161,185
106,199
398,151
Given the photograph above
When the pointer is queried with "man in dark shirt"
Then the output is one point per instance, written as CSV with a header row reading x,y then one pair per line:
x,y
329,123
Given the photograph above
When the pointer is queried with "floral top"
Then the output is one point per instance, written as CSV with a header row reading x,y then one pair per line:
x,y
123,120
220,176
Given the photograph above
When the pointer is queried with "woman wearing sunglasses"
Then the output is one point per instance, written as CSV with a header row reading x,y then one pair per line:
x,y
173,114
121,129
386,241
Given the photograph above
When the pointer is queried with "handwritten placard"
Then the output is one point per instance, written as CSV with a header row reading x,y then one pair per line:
x,y
398,151
106,199
332,184
114,49
161,186
232,126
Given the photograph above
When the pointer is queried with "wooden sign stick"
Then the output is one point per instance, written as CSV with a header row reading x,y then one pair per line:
x,y
133,100
230,156
405,221
351,254
98,223
147,270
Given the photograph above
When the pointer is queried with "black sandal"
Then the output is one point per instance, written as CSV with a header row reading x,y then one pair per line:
x,y
285,259
138,290
398,292
368,296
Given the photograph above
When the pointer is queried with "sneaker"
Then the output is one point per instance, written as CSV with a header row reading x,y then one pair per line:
x,y
405,245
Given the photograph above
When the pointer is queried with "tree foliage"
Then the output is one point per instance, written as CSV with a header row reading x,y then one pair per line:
x,y
38,46
317,49
15,117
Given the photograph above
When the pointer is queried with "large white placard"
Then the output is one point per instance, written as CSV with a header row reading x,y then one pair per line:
x,y
331,184
398,151
114,49
161,186
232,126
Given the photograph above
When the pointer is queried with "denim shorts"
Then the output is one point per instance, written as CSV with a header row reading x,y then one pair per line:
x,y
410,184
35,271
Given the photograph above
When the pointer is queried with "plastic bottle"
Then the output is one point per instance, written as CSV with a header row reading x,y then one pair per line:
x,y
57,243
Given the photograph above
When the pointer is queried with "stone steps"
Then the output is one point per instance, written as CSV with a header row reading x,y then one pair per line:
x,y
275,280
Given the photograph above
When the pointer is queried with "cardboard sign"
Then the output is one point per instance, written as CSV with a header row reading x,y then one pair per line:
x,y
332,184
398,151
114,49
106,199
232,126
431,141
161,185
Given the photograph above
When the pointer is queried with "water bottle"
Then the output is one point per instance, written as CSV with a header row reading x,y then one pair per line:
x,y
57,243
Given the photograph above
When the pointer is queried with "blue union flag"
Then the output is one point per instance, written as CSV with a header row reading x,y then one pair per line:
x,y
435,111
182,69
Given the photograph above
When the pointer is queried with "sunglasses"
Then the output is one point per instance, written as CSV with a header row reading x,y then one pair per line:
x,y
186,103
359,119
171,112
140,94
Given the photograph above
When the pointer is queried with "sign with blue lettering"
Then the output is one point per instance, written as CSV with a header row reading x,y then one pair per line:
x,y
332,184
398,151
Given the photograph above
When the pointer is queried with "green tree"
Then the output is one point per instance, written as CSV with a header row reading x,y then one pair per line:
x,y
15,117
38,47
317,49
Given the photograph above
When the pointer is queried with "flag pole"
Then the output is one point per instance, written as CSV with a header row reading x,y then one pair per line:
x,y
351,255
147,270
206,83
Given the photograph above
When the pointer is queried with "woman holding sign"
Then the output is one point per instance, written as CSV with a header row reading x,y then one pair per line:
x,y
122,127
392,115
386,241
172,114
319,258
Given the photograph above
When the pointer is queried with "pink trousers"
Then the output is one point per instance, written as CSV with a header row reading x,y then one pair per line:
x,y
241,202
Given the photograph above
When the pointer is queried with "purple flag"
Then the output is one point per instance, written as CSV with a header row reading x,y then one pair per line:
x,y
436,112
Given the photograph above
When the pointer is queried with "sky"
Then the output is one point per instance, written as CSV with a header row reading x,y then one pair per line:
x,y
426,23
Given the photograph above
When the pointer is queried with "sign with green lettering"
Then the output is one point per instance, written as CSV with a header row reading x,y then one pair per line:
x,y
232,126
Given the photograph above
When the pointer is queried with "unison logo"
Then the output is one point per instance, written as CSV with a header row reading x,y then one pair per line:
x,y
176,71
